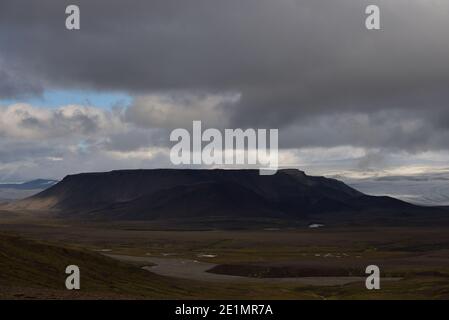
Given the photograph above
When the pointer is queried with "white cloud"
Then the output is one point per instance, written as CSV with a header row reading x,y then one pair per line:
x,y
53,142
24,121
179,109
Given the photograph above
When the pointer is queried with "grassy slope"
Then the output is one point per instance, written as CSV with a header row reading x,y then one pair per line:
x,y
27,265
35,270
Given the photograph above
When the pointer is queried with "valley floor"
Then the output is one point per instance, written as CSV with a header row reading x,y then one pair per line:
x,y
274,263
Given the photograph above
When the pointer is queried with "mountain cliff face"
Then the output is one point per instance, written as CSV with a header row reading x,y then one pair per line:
x,y
171,194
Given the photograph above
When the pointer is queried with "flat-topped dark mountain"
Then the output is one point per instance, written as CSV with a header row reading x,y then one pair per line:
x,y
172,194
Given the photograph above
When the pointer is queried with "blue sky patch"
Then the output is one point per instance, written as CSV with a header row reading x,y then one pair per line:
x,y
57,98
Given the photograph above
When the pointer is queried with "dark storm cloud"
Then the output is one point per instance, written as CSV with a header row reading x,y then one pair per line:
x,y
13,85
388,129
14,151
292,62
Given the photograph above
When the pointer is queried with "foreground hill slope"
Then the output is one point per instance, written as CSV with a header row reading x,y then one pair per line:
x,y
184,194
32,269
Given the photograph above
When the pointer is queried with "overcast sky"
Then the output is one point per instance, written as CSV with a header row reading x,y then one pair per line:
x,y
346,100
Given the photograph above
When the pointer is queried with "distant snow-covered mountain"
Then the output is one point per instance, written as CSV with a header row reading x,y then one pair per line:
x,y
424,189
14,191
